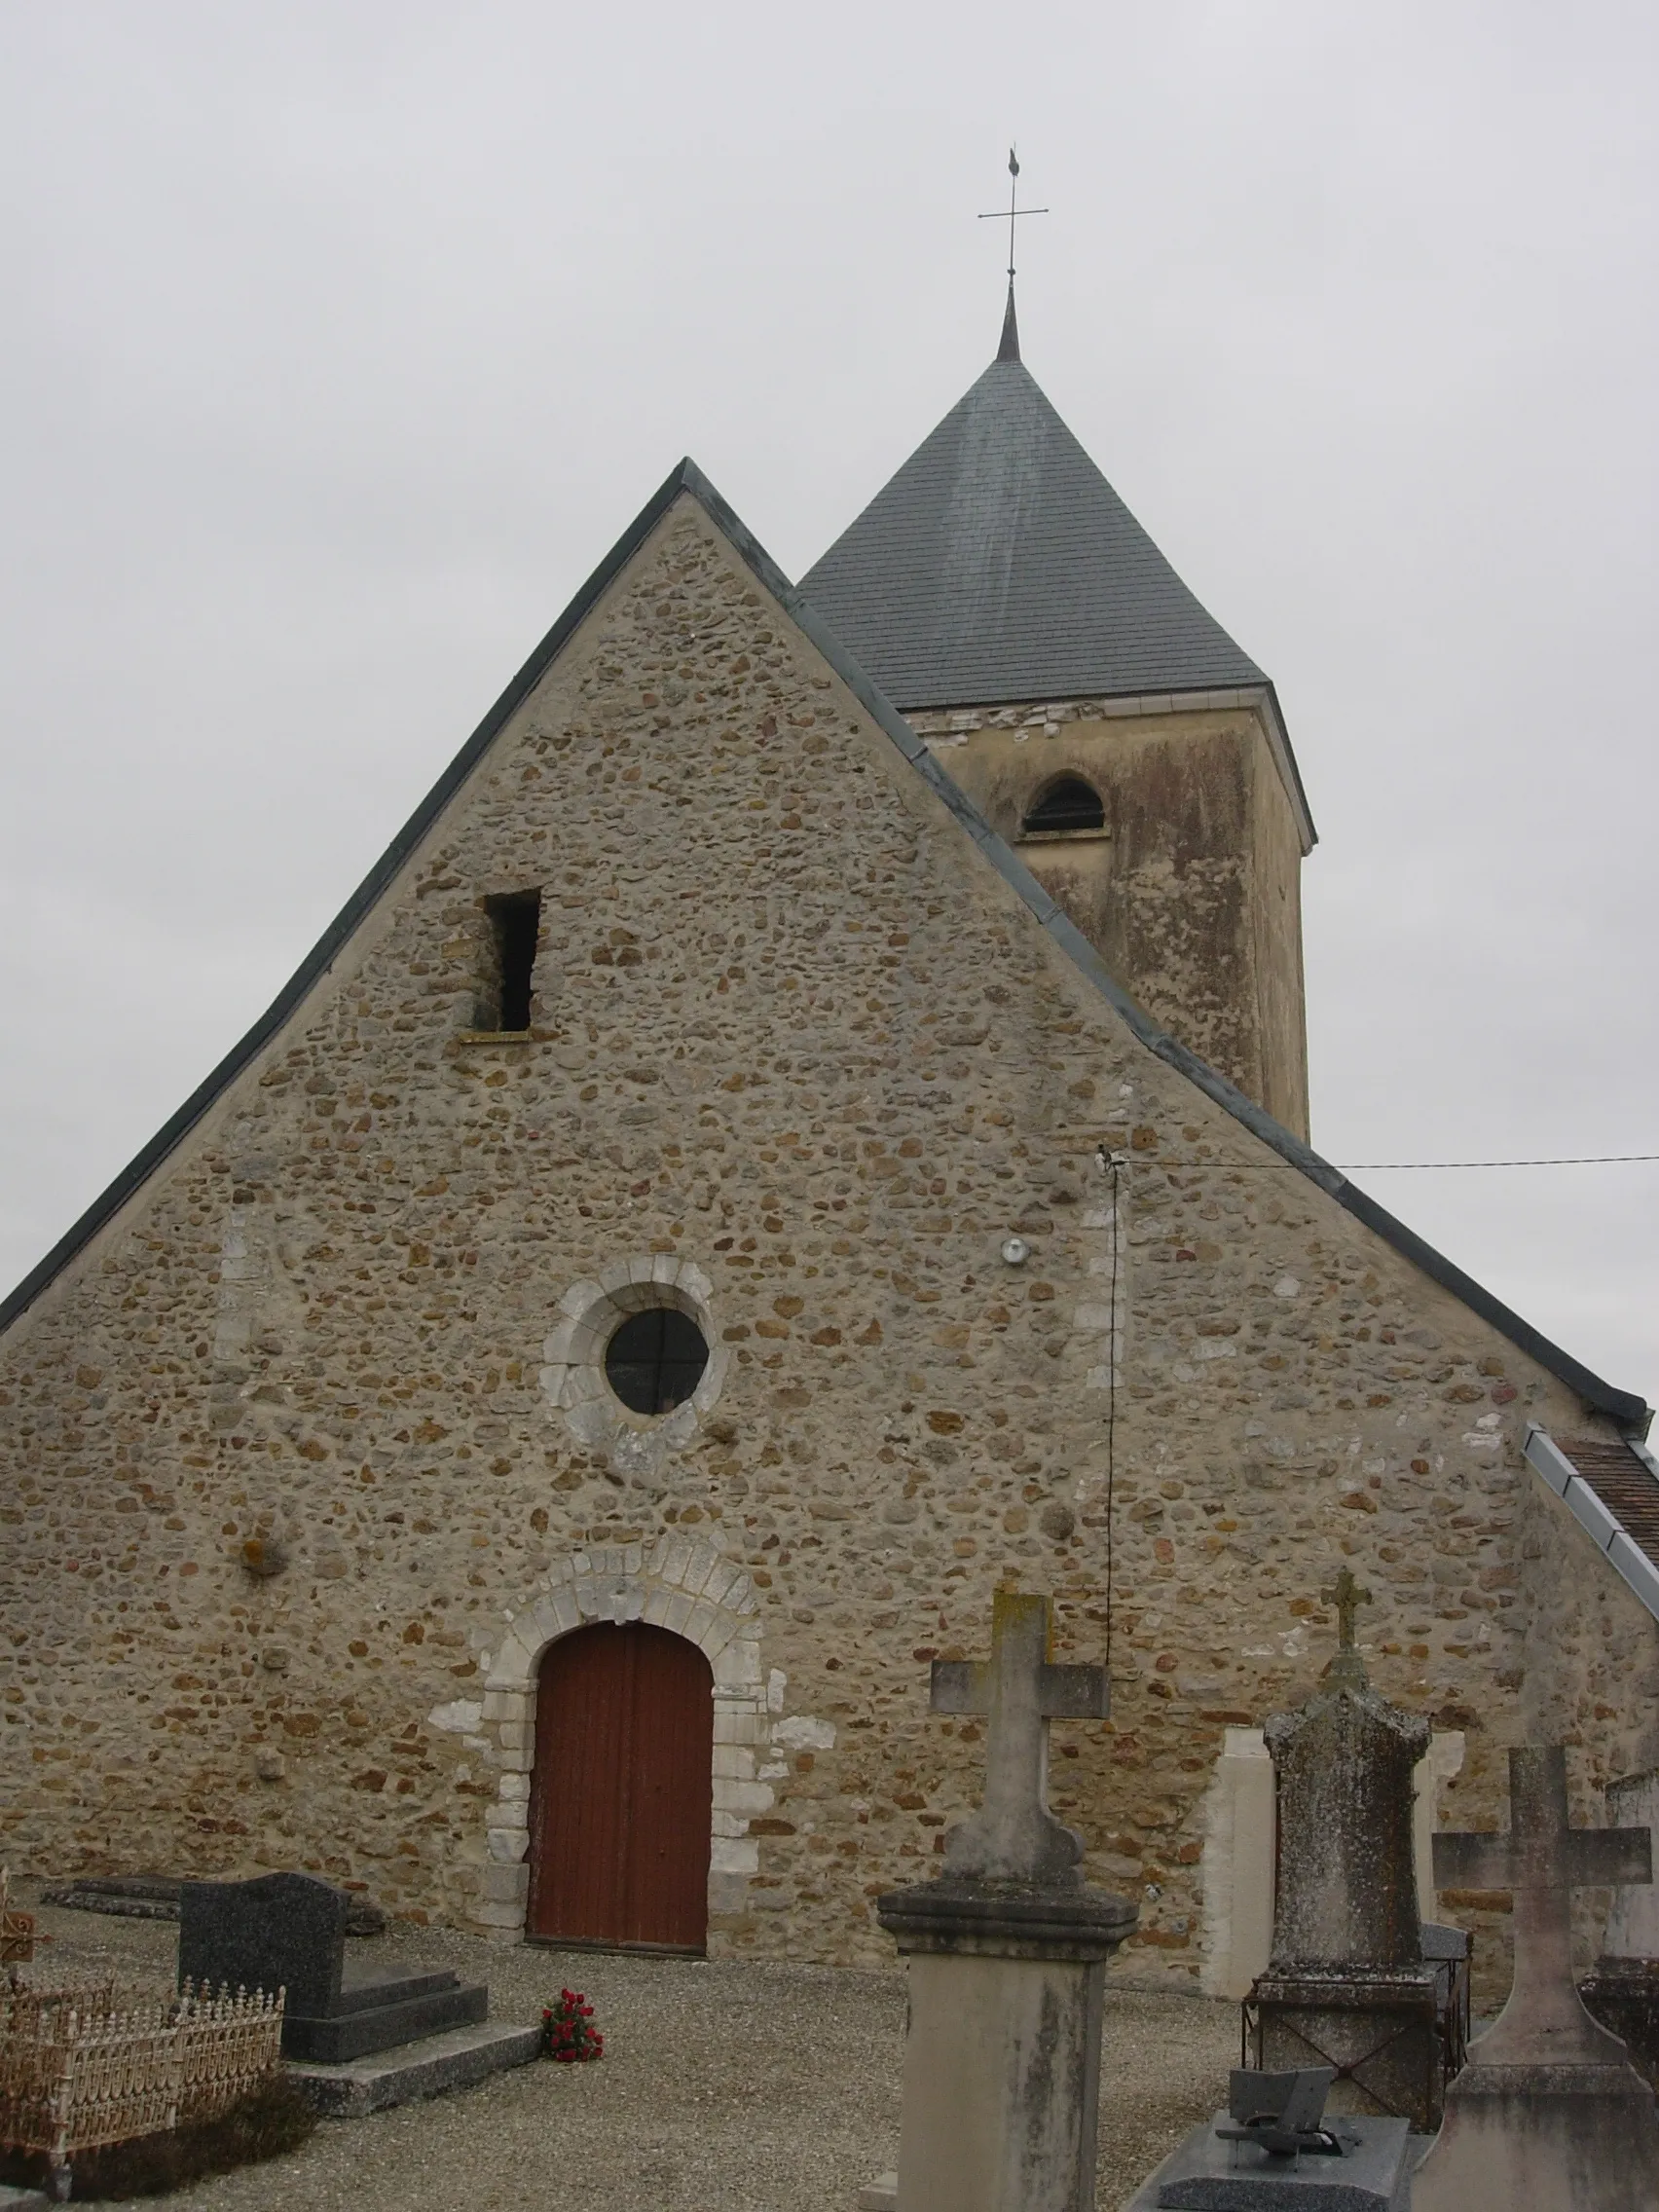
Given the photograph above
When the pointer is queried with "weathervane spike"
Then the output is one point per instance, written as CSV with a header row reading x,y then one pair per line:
x,y
1009,349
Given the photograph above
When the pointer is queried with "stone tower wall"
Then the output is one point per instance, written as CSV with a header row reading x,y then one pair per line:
x,y
1192,895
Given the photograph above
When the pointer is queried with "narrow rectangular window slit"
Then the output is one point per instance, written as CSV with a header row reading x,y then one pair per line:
x,y
515,924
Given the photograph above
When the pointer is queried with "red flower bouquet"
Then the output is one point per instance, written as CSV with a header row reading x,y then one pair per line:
x,y
567,2033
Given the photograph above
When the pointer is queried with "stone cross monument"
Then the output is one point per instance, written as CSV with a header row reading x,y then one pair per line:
x,y
1006,1951
1548,2112
1347,1983
1342,1768
1346,1671
1014,1837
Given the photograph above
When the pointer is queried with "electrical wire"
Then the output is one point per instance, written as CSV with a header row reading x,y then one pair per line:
x,y
1386,1166
1582,1160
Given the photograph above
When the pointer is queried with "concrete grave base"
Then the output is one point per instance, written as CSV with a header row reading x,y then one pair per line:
x,y
1002,2067
881,2195
384,2013
1570,2138
1206,2174
430,2068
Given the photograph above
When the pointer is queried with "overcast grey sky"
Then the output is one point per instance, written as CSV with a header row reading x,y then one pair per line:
x,y
343,337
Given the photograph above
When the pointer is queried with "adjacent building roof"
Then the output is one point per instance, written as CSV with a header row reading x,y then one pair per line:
x,y
1612,1487
1000,566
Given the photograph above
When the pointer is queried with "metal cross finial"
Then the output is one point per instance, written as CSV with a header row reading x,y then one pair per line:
x,y
1014,210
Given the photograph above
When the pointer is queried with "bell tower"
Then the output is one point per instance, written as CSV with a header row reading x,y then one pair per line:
x,y
1024,623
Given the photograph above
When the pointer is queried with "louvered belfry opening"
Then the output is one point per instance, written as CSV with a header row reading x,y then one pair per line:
x,y
621,1793
1067,804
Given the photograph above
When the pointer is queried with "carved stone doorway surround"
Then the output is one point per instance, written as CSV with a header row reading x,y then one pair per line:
x,y
677,1582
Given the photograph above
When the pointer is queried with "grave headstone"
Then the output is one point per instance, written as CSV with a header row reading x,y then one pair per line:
x,y
1273,2149
1548,2112
1007,1954
156,1896
1623,1991
1347,1983
288,1932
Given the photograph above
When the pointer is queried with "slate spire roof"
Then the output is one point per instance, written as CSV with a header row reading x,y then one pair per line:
x,y
1009,349
999,565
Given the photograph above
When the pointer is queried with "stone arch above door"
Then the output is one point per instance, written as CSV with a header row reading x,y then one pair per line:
x,y
677,1582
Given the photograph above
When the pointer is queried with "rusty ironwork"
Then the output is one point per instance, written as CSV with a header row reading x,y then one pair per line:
x,y
83,2067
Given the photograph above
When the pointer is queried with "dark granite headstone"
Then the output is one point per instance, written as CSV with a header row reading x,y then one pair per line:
x,y
288,1932
277,1931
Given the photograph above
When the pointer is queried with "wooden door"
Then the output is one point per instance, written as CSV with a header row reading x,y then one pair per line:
x,y
620,1794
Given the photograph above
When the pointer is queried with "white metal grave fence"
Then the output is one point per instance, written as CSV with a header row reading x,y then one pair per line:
x,y
82,2068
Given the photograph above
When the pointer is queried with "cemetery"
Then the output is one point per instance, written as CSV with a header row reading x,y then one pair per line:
x,y
1002,2072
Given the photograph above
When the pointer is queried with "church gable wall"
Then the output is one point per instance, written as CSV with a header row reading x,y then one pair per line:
x,y
799,1052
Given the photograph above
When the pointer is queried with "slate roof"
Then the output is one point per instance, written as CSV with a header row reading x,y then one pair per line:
x,y
1624,1407
999,565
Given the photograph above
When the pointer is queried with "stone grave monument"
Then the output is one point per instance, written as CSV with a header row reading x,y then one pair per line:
x,y
1007,1956
1623,1991
1548,2114
288,1932
1347,1984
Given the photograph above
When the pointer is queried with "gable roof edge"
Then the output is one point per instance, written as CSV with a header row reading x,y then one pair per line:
x,y
1631,1411
1284,760
321,956
1625,1407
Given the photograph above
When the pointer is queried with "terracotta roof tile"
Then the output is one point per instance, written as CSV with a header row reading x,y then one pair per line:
x,y
1623,1484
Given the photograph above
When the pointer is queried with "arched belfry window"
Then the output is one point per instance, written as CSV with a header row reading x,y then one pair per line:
x,y
1067,805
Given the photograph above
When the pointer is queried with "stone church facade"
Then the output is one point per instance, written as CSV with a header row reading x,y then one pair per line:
x,y
704,998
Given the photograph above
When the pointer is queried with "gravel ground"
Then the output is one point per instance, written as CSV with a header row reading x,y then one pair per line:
x,y
723,2087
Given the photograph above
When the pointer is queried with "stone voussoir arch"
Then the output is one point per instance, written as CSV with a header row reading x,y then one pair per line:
x,y
674,1581
574,1378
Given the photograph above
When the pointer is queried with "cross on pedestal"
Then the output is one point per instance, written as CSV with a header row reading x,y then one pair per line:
x,y
1014,1837
1541,1861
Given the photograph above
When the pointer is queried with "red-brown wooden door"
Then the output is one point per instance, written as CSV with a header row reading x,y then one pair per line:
x,y
620,1794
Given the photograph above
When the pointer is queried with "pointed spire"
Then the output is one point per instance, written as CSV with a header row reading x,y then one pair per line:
x,y
1009,349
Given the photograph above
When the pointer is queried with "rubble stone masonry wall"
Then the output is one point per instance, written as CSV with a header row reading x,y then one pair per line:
x,y
801,1056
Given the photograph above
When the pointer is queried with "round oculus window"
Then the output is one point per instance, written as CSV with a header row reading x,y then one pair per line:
x,y
655,1359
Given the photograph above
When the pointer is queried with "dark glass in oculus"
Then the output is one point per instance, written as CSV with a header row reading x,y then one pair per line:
x,y
1068,803
655,1360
